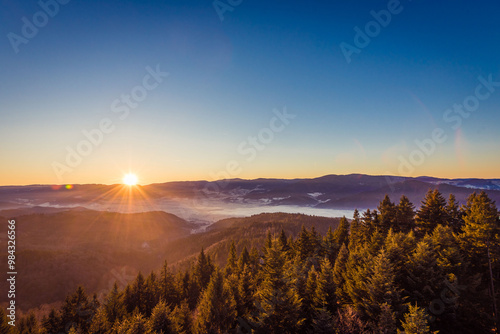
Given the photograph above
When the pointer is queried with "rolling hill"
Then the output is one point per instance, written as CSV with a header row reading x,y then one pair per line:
x,y
56,251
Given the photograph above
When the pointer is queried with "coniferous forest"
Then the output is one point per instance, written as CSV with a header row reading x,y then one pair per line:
x,y
391,270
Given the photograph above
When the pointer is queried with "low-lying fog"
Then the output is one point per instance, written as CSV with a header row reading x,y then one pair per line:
x,y
205,212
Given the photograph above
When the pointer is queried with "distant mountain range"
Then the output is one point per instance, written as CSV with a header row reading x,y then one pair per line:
x,y
344,191
326,192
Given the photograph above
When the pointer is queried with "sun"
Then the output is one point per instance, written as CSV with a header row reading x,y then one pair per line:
x,y
130,179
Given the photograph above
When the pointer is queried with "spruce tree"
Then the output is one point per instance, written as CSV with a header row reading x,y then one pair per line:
x,y
77,310
138,294
254,260
203,270
114,307
244,259
160,320
284,241
278,303
376,242
27,324
52,323
232,283
405,215
387,214
415,321
424,279
308,308
246,291
331,248
168,290
216,311
368,226
324,299
192,289
341,233
316,244
181,284
324,294
480,241
304,244
151,294
454,214
100,323
128,299
482,228
387,320
231,265
398,246
431,213
181,318
356,233
450,258
381,288
137,325
339,270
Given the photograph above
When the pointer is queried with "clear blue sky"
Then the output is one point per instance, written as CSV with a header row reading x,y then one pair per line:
x,y
226,78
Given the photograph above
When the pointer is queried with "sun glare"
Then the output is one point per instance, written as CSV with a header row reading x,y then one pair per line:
x,y
130,179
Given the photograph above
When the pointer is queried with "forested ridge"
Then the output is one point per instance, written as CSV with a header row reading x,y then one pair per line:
x,y
390,270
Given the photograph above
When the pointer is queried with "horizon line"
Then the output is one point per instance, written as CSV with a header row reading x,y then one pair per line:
x,y
249,179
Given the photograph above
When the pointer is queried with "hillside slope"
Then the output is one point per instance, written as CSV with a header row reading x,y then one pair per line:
x,y
57,251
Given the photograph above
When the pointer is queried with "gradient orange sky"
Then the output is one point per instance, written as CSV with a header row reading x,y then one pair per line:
x,y
176,93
